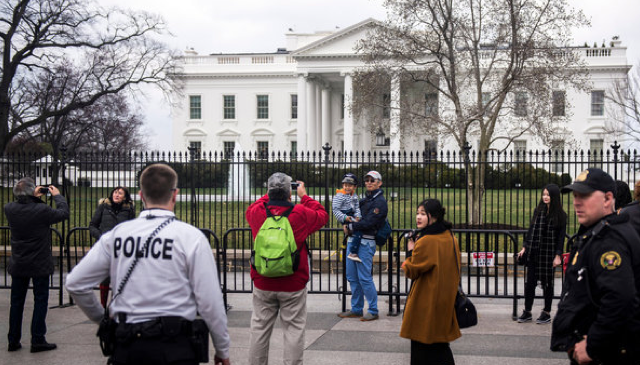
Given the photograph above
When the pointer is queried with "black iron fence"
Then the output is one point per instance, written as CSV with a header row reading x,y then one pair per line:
x,y
216,189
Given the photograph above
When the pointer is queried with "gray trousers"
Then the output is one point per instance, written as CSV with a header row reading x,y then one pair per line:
x,y
292,307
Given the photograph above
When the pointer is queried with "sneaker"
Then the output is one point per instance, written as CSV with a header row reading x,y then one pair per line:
x,y
545,317
369,317
525,317
14,346
45,346
349,314
354,257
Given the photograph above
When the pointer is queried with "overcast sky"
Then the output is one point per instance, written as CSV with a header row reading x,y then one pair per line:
x,y
214,26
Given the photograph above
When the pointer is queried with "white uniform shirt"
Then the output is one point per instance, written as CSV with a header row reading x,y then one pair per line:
x,y
177,276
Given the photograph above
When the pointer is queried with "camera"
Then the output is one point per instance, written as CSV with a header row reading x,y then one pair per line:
x,y
43,190
294,185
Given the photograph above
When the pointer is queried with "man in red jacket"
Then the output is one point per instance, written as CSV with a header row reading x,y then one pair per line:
x,y
286,295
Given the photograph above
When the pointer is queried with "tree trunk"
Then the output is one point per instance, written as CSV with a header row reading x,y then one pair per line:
x,y
475,191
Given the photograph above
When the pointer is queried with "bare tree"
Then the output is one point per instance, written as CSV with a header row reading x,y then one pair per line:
x,y
624,98
110,50
491,64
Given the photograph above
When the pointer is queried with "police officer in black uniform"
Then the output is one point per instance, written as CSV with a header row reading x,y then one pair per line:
x,y
598,317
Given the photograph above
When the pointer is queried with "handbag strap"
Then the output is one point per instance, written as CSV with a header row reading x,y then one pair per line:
x,y
455,257
136,259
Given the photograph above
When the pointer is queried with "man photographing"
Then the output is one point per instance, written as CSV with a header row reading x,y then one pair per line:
x,y
598,318
31,259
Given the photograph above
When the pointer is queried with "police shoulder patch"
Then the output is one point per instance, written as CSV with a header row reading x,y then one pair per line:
x,y
610,260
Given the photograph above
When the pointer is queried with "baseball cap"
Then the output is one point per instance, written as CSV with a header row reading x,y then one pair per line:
x,y
374,174
279,180
350,178
590,180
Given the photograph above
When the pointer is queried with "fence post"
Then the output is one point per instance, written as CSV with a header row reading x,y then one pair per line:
x,y
194,197
615,146
467,163
63,161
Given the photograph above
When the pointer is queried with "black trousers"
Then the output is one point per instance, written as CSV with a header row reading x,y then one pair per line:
x,y
162,350
427,354
530,291
19,287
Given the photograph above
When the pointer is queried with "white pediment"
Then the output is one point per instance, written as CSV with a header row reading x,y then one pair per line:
x,y
291,133
228,133
340,43
195,132
262,132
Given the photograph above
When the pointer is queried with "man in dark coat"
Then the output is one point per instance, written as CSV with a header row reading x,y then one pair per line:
x,y
29,220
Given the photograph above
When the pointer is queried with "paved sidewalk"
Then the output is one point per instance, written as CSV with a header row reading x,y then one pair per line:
x,y
496,340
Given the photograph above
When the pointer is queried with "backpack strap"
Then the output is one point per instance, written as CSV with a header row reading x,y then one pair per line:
x,y
270,214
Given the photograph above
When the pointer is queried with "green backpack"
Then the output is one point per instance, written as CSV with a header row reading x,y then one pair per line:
x,y
275,252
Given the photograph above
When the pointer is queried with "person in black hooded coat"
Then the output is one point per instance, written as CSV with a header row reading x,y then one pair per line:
x,y
115,209
543,247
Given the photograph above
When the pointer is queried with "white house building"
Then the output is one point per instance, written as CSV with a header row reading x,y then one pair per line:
x,y
297,99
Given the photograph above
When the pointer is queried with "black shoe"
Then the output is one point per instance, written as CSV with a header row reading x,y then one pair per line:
x,y
14,346
525,317
545,317
39,347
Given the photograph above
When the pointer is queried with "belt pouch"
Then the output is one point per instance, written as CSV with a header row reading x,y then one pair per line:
x,y
200,340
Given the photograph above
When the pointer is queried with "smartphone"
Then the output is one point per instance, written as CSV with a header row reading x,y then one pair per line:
x,y
44,190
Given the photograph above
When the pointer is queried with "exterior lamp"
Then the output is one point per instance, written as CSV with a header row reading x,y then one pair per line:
x,y
380,138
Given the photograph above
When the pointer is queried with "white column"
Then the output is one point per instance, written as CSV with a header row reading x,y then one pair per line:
x,y
348,117
394,117
318,135
311,115
302,113
326,116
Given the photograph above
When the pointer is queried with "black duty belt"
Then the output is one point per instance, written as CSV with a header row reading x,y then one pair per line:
x,y
169,326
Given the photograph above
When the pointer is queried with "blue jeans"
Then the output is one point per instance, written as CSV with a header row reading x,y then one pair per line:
x,y
19,287
360,277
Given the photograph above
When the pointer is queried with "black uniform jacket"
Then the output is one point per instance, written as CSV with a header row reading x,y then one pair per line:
x,y
29,219
600,295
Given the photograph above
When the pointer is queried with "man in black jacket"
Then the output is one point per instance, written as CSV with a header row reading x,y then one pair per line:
x,y
31,259
598,318
359,274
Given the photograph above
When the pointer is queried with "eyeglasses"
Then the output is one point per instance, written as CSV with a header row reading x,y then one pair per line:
x,y
369,180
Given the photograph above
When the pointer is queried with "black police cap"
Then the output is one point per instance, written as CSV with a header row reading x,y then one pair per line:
x,y
590,180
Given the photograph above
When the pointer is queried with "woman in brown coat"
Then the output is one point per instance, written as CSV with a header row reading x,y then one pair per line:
x,y
432,265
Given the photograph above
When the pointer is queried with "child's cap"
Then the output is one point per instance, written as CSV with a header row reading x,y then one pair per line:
x,y
350,178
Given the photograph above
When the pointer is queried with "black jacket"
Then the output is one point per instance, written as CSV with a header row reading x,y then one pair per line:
x,y
29,220
106,217
374,211
601,291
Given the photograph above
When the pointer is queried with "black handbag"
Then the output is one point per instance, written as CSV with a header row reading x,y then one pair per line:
x,y
522,260
465,310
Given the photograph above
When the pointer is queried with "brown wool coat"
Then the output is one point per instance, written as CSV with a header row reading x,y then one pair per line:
x,y
429,316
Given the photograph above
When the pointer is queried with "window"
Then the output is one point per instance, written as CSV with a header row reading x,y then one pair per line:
x,y
229,147
294,150
557,156
229,106
386,104
430,149
263,106
196,148
294,106
558,103
597,103
595,152
486,98
521,104
431,104
520,150
263,150
195,107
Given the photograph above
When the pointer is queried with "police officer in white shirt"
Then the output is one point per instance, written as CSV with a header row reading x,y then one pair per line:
x,y
174,278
